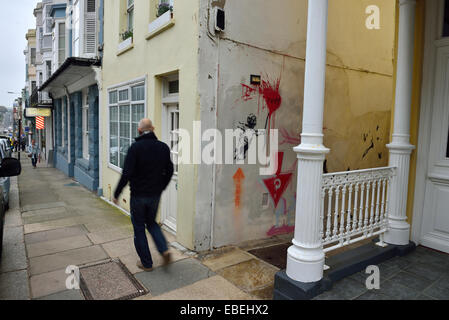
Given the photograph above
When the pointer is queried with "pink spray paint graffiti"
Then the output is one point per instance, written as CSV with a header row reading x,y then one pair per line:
x,y
276,187
288,138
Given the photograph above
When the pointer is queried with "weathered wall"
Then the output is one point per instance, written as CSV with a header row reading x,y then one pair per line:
x,y
270,40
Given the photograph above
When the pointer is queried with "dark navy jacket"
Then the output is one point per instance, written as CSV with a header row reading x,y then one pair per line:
x,y
148,167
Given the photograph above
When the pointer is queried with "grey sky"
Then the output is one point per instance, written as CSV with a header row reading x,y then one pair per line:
x,y
16,17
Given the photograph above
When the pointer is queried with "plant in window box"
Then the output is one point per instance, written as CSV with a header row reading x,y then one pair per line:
x,y
163,8
127,34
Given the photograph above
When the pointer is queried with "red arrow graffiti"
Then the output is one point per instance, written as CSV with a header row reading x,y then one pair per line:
x,y
238,177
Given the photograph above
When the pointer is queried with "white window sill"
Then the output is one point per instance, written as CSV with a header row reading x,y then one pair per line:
x,y
125,46
159,25
115,168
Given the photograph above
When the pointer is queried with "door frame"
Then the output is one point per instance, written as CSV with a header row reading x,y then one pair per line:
x,y
167,101
432,40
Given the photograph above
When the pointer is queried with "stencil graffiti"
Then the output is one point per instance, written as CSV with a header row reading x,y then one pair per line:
x,y
247,133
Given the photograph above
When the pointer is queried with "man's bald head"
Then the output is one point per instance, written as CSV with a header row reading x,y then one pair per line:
x,y
145,125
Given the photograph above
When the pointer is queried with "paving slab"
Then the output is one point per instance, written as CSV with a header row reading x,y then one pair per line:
x,y
48,283
59,245
221,261
61,260
265,293
213,288
14,254
250,275
412,281
53,224
14,286
346,289
42,205
112,234
174,276
396,291
55,234
44,215
65,295
427,270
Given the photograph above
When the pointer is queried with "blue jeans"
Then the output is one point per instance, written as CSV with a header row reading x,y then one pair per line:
x,y
143,214
33,160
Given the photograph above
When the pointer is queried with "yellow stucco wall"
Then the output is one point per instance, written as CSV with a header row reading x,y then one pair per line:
x,y
359,85
172,51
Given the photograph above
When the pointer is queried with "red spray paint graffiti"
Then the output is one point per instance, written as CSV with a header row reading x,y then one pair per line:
x,y
271,97
247,92
278,184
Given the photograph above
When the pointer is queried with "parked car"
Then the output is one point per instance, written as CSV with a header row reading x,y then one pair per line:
x,y
9,167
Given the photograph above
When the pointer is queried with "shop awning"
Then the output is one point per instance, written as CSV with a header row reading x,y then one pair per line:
x,y
73,71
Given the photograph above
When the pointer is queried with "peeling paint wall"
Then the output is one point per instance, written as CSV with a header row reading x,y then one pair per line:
x,y
235,203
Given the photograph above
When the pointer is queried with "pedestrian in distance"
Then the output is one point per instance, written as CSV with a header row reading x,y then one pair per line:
x,y
34,152
148,168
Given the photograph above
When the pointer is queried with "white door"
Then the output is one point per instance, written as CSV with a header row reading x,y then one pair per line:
x,y
435,222
170,208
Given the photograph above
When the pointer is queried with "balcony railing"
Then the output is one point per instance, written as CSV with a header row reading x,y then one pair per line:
x,y
41,99
354,206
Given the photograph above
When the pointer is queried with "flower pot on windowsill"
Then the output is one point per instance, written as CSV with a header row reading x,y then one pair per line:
x,y
163,9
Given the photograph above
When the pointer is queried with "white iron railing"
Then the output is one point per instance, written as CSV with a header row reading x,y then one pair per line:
x,y
354,206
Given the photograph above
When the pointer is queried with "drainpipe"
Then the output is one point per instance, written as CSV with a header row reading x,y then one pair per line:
x,y
400,147
305,258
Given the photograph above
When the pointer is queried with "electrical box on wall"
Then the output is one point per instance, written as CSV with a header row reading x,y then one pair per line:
x,y
220,21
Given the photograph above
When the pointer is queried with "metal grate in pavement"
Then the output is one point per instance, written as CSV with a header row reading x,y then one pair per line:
x,y
275,255
109,281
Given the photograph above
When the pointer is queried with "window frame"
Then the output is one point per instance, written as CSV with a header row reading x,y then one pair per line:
x,y
128,102
85,128
129,8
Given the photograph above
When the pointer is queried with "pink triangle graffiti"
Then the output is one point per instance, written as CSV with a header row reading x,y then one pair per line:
x,y
277,185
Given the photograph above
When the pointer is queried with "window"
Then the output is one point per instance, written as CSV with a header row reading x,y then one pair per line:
x,y
76,29
61,43
130,14
33,86
173,87
48,19
85,124
33,56
126,109
48,63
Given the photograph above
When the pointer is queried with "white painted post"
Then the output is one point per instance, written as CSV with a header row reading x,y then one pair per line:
x,y
305,258
400,147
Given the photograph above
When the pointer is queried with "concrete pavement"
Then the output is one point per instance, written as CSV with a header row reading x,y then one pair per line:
x,y
59,223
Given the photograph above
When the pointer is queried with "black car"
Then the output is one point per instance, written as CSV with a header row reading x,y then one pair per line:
x,y
9,167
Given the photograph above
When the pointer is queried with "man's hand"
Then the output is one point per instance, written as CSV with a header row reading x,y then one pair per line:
x,y
115,201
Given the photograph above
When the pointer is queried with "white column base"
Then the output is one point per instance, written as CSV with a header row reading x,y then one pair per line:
x,y
398,232
398,228
305,265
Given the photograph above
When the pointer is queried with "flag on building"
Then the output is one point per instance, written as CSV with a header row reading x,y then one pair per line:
x,y
40,123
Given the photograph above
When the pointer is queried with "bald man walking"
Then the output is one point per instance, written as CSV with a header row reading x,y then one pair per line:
x,y
148,168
